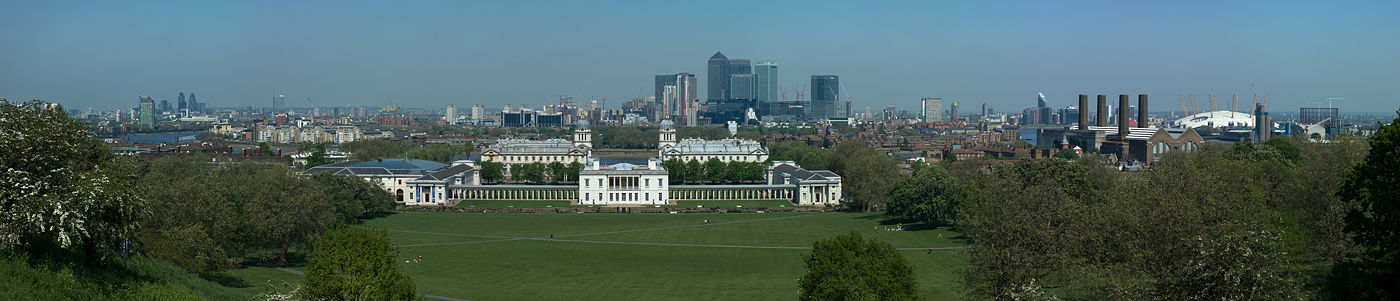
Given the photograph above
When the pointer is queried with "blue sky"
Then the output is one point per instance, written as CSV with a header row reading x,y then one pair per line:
x,y
104,54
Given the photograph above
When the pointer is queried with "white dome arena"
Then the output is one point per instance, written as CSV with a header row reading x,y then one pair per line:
x,y
1215,119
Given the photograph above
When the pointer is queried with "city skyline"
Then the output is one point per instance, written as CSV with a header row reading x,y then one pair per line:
x,y
106,55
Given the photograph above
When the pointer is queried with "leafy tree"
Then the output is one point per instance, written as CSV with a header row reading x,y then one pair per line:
x,y
266,149
352,196
355,264
1374,186
284,210
61,187
1067,154
191,226
558,172
318,156
866,175
1288,149
849,267
930,195
492,171
714,170
573,171
675,170
694,171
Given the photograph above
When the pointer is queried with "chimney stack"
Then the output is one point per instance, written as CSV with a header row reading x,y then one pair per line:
x,y
1142,110
1103,110
1123,117
1083,111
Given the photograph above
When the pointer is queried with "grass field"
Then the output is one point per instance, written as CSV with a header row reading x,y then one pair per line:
x,y
636,256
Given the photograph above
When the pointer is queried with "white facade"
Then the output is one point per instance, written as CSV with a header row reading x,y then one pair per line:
x,y
726,150
623,183
814,188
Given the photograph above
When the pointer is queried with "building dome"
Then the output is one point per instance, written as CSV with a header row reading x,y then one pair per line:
x,y
667,124
581,124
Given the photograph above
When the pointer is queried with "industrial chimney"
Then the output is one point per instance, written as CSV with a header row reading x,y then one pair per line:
x,y
1142,110
1083,111
1103,110
1123,117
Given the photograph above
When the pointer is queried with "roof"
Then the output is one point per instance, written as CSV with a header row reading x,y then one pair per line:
x,y
1223,118
805,175
446,172
391,167
723,146
624,166
521,146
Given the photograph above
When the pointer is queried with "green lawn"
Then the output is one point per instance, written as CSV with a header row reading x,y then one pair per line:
x,y
581,264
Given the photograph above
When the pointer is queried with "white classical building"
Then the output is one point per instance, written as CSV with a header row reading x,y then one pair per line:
x,y
818,187
622,183
513,151
726,150
398,176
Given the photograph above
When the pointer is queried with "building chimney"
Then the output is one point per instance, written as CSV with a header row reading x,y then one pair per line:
x,y
1123,118
1083,111
1103,110
1142,110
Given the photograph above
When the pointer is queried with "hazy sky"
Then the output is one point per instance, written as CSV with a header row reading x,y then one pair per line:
x,y
104,54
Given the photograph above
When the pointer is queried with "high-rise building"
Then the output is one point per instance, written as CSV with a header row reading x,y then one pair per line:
x,y
279,103
741,86
825,93
195,106
984,110
932,109
147,120
953,111
766,81
478,113
164,105
1326,117
182,106
677,95
451,115
717,77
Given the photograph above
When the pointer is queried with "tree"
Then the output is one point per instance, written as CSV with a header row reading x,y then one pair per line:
x,y
266,149
61,187
557,171
714,170
865,174
284,210
318,156
1067,154
675,170
355,264
352,197
694,171
492,171
1374,186
930,195
573,171
848,267
191,225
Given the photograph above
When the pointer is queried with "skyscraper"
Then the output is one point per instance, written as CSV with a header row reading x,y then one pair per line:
x,y
766,81
932,107
279,103
717,77
147,120
195,106
741,86
451,115
164,105
826,91
676,93
953,111
180,111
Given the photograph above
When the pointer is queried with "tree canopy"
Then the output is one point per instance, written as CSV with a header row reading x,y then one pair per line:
x,y
353,263
848,267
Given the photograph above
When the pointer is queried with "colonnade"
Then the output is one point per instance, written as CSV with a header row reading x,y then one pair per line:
x,y
514,193
785,193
